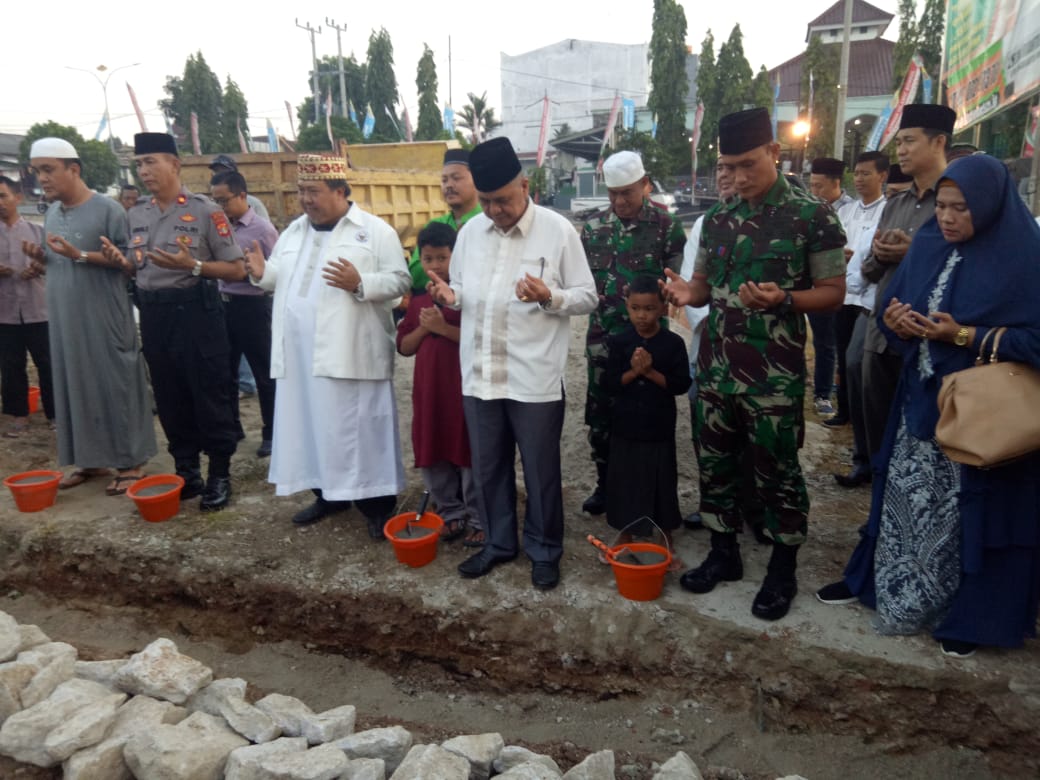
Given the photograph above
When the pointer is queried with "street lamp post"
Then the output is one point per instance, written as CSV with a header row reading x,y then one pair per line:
x,y
104,90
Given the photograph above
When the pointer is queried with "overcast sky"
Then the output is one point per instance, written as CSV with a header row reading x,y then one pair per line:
x,y
269,57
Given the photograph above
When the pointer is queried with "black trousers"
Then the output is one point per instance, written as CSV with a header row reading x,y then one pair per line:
x,y
248,320
185,342
880,378
844,323
15,342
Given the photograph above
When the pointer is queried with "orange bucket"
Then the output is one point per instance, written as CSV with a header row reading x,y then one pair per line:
x,y
158,497
34,490
636,582
34,399
420,550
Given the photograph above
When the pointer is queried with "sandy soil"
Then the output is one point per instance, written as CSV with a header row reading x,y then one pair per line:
x,y
323,614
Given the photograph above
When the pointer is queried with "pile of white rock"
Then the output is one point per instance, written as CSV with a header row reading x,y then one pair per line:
x,y
160,715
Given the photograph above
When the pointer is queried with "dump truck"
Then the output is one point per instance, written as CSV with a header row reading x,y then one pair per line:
x,y
399,183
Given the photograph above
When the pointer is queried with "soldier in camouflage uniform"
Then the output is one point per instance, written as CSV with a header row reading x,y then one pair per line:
x,y
765,259
630,238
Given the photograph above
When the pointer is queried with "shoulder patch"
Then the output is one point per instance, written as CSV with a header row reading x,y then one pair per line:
x,y
221,224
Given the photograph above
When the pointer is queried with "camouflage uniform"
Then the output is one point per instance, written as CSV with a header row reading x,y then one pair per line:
x,y
751,371
618,251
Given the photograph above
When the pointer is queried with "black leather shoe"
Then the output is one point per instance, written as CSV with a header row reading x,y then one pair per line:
x,y
264,450
719,566
483,562
193,484
693,521
217,494
854,478
319,510
545,576
775,597
836,422
596,504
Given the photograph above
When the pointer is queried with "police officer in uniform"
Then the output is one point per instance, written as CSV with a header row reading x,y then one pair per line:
x,y
181,244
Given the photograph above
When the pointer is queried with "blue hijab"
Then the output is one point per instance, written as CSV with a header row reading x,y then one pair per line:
x,y
996,283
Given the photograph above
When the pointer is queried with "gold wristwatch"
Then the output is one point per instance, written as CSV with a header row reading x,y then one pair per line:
x,y
961,339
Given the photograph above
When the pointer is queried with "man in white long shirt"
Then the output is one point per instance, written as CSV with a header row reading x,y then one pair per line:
x,y
335,272
518,273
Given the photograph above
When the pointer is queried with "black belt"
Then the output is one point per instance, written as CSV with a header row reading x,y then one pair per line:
x,y
205,292
230,297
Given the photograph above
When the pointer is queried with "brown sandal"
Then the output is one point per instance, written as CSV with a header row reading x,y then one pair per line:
x,y
116,488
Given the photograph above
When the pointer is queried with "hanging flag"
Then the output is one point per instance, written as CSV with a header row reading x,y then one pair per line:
x,y
808,132
272,138
196,147
449,119
370,122
101,127
885,131
1032,135
328,118
241,138
137,108
292,127
543,134
628,113
926,84
407,126
776,99
695,141
653,126
608,131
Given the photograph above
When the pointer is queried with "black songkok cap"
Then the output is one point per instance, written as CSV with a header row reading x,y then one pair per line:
x,y
456,157
929,116
222,161
493,164
828,166
154,143
896,175
744,130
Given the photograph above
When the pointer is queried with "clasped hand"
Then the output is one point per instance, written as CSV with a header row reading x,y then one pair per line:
x,y
760,296
642,361
907,323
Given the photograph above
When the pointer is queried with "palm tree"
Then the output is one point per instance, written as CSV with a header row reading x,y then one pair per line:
x,y
477,117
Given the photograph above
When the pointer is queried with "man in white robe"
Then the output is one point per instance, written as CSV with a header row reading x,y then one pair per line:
x,y
336,272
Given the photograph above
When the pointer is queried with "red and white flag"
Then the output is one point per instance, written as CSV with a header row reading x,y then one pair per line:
x,y
543,134
241,138
195,145
608,132
137,108
905,94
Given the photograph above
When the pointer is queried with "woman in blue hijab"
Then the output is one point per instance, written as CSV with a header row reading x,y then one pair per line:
x,y
951,548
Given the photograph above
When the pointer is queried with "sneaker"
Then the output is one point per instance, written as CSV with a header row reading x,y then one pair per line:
x,y
955,648
823,406
835,593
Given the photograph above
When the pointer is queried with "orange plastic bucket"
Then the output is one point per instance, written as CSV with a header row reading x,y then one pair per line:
x,y
34,490
34,399
158,497
420,550
636,582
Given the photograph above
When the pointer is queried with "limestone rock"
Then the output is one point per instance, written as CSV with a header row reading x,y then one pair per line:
x,y
103,761
103,672
22,735
321,763
31,637
162,672
210,698
56,661
427,761
10,637
286,711
86,727
329,725
390,744
596,766
244,762
365,769
678,767
479,749
251,722
529,770
14,676
144,712
197,748
512,755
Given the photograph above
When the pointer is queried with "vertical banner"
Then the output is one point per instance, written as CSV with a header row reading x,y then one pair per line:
x,y
812,98
449,119
272,137
292,127
543,133
408,136
137,108
101,127
776,99
695,141
195,146
328,118
241,138
628,113
899,100
608,131
370,122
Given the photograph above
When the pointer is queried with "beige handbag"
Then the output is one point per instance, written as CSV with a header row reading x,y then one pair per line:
x,y
989,414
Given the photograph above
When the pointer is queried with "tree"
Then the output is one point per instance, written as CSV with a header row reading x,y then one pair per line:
x,y
477,117
707,89
762,90
906,45
822,62
315,138
733,73
198,90
236,115
430,125
328,79
381,86
930,38
668,82
658,160
562,131
98,165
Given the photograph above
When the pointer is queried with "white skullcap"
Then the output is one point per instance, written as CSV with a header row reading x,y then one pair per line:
x,y
58,148
622,169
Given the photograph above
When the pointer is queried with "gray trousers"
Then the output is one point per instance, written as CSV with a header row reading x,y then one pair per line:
x,y
496,430
880,377
451,488
854,400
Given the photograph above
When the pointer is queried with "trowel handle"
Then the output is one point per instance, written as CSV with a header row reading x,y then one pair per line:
x,y
600,546
423,503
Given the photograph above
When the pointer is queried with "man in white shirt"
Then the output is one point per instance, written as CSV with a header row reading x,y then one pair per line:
x,y
518,273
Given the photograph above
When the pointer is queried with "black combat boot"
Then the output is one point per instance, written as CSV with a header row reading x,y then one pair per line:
x,y
193,484
779,587
596,504
723,564
217,494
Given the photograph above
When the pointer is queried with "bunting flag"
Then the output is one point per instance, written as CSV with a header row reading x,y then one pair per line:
x,y
370,122
101,127
195,145
543,134
292,127
241,138
888,123
137,108
407,126
328,118
695,141
272,137
608,131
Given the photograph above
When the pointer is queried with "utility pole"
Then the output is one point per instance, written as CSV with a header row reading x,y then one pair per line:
x,y
342,73
843,85
449,71
314,57
104,89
